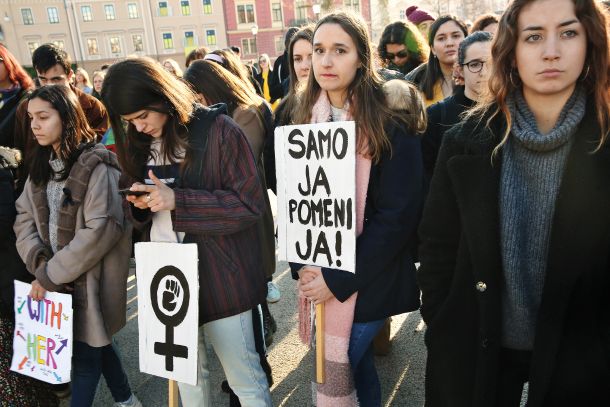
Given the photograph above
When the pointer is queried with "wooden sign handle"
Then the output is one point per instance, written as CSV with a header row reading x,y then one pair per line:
x,y
320,343
173,393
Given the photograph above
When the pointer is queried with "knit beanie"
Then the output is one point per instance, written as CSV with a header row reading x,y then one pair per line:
x,y
417,15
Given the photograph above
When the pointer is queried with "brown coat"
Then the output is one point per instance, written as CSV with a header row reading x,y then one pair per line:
x,y
94,242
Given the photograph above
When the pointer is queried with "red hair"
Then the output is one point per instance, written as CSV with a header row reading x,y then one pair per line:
x,y
16,73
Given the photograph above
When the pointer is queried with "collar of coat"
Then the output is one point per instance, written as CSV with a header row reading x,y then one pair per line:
x,y
74,193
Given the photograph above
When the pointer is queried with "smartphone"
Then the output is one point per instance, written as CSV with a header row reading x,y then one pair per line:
x,y
128,191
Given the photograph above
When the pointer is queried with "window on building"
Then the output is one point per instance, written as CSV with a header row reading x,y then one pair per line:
x,y
207,6
189,39
32,46
115,45
59,44
185,7
28,18
92,48
279,44
210,37
352,4
276,12
53,15
86,13
168,41
245,13
138,43
248,46
302,9
402,14
163,10
132,10
109,12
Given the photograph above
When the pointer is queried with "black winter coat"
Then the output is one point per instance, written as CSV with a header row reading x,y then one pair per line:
x,y
461,276
385,271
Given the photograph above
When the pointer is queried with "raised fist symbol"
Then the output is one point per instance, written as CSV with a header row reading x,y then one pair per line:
x,y
170,295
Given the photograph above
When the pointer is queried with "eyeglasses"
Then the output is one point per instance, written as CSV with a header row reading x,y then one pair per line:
x,y
400,54
475,66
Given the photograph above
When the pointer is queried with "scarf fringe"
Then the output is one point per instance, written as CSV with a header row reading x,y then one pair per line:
x,y
306,320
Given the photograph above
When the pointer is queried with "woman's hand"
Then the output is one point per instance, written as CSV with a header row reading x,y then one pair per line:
x,y
313,285
160,197
38,291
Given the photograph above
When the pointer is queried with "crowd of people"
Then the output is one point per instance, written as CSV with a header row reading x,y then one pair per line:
x,y
482,158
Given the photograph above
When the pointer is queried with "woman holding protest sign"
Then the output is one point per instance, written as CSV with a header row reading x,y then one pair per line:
x,y
73,236
201,184
389,192
514,255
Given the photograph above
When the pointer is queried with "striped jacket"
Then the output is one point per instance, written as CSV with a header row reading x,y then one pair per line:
x,y
217,205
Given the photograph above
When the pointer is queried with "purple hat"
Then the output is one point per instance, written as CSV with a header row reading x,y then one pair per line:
x,y
417,15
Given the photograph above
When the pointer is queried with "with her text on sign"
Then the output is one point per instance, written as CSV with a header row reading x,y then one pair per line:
x,y
42,344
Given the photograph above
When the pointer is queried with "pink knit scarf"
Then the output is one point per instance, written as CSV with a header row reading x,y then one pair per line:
x,y
338,389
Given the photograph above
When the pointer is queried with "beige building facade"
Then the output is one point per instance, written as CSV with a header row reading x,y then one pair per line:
x,y
98,32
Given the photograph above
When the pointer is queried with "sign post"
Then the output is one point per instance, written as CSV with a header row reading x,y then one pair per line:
x,y
316,189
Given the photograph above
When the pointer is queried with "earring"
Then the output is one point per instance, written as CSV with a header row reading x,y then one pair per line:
x,y
510,77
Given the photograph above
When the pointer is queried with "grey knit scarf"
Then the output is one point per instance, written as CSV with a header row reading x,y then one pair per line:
x,y
531,173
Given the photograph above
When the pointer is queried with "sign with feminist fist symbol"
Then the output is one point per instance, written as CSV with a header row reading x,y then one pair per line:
x,y
168,309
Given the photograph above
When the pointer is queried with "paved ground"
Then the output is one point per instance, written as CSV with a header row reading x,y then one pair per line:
x,y
401,372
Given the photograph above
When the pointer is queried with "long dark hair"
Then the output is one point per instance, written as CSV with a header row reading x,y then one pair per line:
x,y
217,85
365,94
143,84
433,69
75,130
290,101
596,79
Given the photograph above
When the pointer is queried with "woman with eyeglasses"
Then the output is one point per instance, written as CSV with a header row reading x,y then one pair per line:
x,y
515,252
402,47
474,65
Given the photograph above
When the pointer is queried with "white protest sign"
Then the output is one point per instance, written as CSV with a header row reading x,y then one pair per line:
x,y
168,309
316,187
42,344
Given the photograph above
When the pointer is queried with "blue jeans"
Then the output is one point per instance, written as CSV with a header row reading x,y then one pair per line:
x,y
89,363
233,341
362,360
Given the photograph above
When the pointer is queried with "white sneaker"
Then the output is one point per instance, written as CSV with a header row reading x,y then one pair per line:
x,y
273,292
132,402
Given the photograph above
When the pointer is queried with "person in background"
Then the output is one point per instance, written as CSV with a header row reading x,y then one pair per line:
x,y
196,54
486,22
514,237
280,70
15,84
80,248
474,65
263,76
435,78
166,128
344,85
421,18
81,81
98,82
231,62
172,66
54,67
402,47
